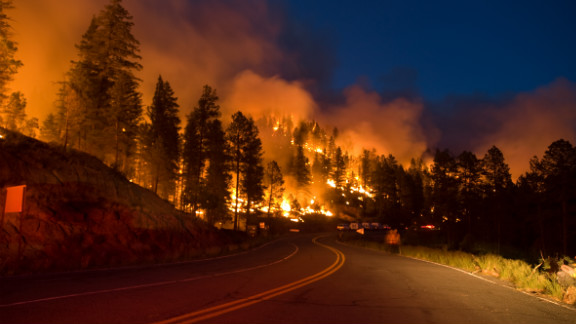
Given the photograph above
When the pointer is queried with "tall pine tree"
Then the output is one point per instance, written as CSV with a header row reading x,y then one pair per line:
x,y
275,181
108,55
215,197
126,109
162,139
246,160
497,189
196,146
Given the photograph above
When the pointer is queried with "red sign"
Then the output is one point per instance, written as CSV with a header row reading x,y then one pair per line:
x,y
15,199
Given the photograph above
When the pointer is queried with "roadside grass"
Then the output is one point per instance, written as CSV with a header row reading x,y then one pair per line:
x,y
520,274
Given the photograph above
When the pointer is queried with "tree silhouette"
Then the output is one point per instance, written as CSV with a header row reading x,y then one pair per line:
x,y
444,193
215,196
275,182
558,166
163,140
108,54
8,47
196,145
469,168
246,157
497,183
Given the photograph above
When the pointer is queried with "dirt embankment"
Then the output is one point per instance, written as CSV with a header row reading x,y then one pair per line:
x,y
78,213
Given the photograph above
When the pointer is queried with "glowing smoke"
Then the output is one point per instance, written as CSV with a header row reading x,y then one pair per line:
x,y
528,125
259,96
189,43
391,128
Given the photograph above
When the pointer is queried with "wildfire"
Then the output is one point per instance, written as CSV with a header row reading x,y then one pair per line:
x,y
285,206
331,183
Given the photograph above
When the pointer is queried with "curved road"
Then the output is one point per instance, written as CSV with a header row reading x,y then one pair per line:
x,y
298,279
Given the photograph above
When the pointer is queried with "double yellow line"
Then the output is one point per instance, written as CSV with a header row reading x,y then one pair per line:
x,y
211,312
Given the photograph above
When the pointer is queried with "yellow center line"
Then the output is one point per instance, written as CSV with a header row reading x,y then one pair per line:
x,y
218,310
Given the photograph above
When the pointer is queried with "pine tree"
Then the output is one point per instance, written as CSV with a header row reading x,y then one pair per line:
x,y
385,185
339,171
558,167
301,168
69,120
196,145
8,63
108,54
469,172
497,183
246,159
31,127
50,130
275,181
216,195
163,139
365,167
126,109
252,182
444,191
15,112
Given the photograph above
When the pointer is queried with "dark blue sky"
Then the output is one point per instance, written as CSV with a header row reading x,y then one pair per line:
x,y
441,48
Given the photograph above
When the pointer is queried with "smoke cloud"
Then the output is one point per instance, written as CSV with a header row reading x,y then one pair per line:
x,y
390,128
521,126
531,122
262,62
189,43
258,96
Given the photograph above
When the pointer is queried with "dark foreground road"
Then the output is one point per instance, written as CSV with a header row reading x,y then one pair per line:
x,y
300,279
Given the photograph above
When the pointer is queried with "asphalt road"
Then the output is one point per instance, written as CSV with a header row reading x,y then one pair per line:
x,y
298,279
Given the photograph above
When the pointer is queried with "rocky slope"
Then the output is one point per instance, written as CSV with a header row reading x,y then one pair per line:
x,y
78,213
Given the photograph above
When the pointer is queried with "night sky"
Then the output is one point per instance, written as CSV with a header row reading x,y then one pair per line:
x,y
441,48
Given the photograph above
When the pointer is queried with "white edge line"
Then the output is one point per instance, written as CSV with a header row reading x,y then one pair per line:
x,y
473,275
493,282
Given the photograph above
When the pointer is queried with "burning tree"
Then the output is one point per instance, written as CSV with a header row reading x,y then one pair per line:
x,y
246,156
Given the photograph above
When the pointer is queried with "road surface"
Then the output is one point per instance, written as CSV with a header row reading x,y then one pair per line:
x,y
298,279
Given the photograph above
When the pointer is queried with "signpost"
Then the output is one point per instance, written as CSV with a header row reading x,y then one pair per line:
x,y
14,201
15,197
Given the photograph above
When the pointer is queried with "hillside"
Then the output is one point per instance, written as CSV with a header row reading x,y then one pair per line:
x,y
78,213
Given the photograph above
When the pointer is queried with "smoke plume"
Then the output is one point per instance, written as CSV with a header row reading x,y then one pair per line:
x,y
521,126
531,122
262,62
189,43
393,128
258,96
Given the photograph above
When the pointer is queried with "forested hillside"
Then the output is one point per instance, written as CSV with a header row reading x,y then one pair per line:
x,y
78,213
